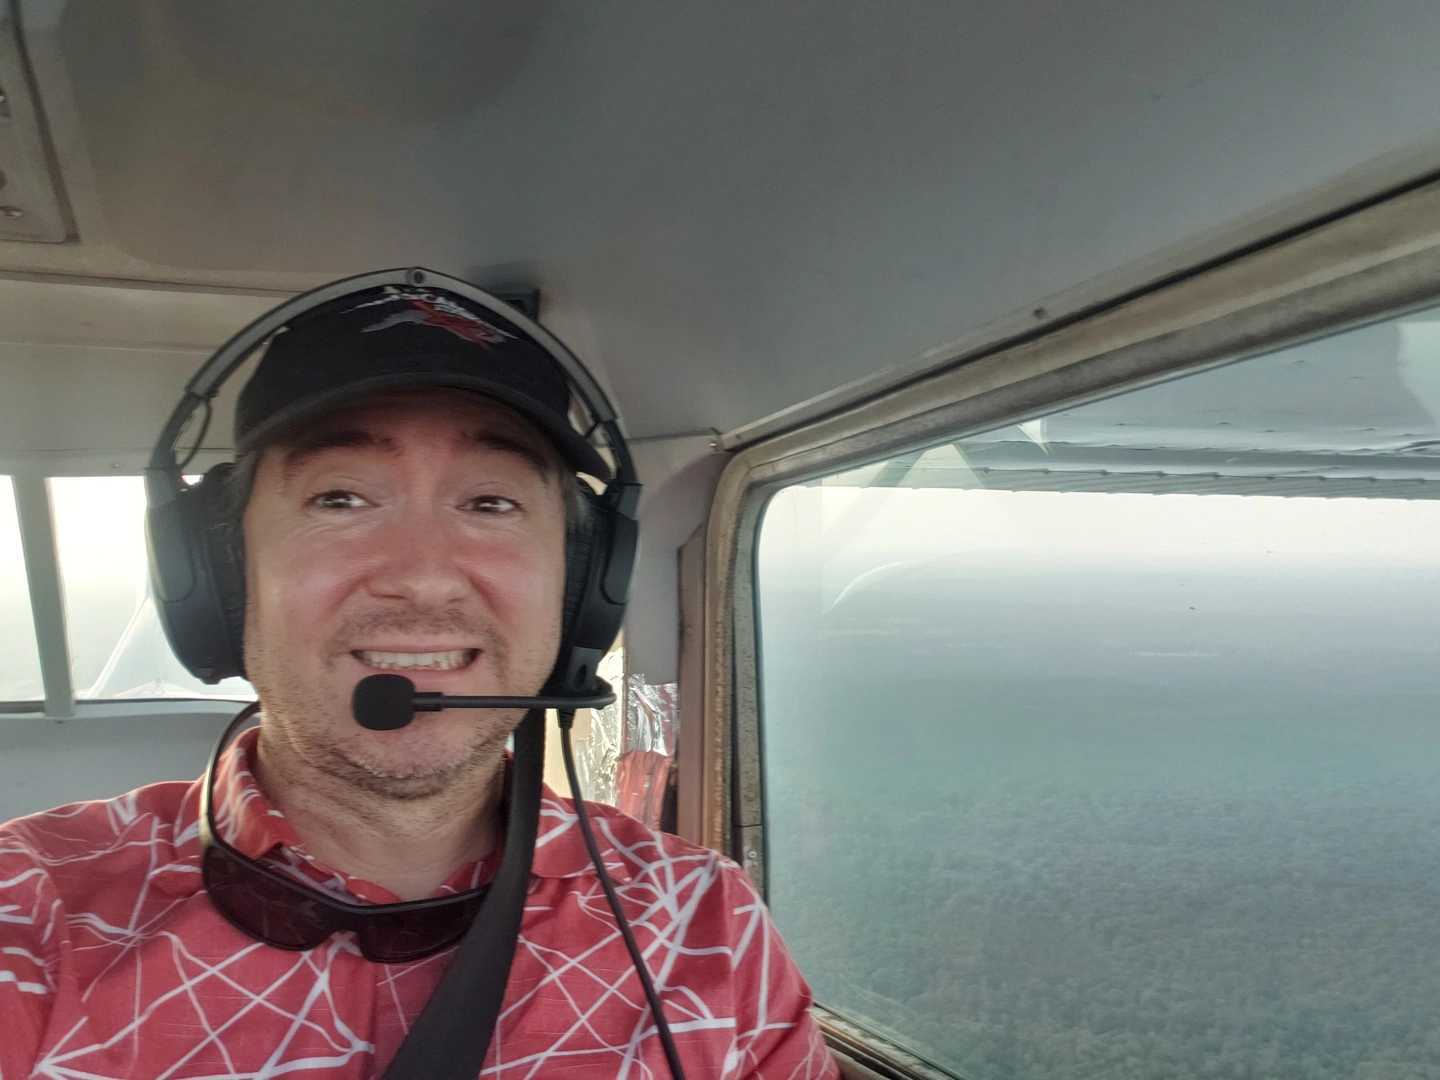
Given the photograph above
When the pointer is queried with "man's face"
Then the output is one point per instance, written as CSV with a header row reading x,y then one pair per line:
x,y
421,532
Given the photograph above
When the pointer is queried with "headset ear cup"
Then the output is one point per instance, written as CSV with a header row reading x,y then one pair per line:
x,y
223,508
197,576
595,567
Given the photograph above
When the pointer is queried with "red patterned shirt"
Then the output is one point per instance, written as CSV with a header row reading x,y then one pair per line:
x,y
113,963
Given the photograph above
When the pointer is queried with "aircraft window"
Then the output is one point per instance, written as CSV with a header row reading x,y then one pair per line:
x,y
1104,744
20,673
117,647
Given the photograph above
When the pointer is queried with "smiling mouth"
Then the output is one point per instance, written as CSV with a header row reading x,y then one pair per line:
x,y
450,660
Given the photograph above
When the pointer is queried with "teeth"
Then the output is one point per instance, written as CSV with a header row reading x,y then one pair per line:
x,y
423,661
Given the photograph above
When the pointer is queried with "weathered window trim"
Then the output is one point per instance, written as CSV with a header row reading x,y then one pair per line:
x,y
873,1055
1377,262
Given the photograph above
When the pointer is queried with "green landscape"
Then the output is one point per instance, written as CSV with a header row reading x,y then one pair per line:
x,y
1092,839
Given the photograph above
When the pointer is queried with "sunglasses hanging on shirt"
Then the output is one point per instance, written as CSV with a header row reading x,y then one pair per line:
x,y
263,901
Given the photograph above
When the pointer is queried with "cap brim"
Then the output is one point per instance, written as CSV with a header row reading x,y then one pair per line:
x,y
573,447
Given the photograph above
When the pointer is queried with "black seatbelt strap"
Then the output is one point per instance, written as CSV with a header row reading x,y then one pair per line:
x,y
451,1036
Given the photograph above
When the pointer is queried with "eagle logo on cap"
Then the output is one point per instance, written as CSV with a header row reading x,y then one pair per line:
x,y
433,309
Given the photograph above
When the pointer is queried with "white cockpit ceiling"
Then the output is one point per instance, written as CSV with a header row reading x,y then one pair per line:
x,y
728,208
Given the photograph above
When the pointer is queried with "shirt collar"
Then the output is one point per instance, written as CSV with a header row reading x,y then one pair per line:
x,y
247,820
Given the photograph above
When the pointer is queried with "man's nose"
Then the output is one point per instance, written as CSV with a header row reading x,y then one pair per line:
x,y
420,563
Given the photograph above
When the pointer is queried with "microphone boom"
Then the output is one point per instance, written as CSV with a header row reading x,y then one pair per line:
x,y
388,702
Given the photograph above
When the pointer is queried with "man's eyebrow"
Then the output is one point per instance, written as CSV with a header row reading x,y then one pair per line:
x,y
297,453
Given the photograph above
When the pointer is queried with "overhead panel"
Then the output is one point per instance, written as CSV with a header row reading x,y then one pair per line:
x,y
30,202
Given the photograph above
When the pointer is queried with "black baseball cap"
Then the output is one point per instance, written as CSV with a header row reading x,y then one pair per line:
x,y
400,337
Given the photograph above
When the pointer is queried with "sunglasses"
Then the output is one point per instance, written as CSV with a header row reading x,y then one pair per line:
x,y
267,904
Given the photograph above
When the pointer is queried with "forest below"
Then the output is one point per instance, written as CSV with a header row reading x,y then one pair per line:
x,y
1108,787
1129,936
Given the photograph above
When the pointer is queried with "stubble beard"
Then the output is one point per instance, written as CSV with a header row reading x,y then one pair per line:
x,y
302,718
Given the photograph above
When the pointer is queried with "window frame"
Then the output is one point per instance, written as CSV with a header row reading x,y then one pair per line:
x,y
41,556
31,474
1379,261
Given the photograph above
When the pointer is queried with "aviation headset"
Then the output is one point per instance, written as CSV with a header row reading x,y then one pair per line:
x,y
193,532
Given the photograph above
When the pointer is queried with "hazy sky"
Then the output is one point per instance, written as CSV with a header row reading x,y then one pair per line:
x,y
834,531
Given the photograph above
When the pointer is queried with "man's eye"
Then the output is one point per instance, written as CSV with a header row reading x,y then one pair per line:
x,y
492,504
338,499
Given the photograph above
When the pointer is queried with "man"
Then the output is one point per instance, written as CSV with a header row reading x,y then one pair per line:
x,y
410,513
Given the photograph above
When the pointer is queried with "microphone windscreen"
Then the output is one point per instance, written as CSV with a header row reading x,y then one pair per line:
x,y
383,702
